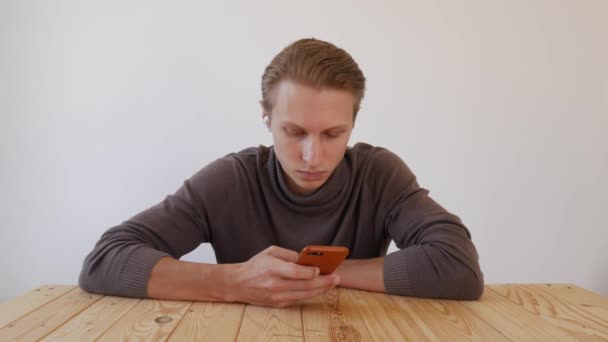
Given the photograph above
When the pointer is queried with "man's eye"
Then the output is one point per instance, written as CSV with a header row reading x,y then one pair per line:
x,y
333,135
293,132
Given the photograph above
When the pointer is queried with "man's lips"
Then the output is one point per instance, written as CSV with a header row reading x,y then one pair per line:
x,y
311,175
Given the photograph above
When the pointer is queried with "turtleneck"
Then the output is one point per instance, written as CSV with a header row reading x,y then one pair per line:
x,y
329,191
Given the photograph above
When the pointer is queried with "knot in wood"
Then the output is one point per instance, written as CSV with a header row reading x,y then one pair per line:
x,y
163,319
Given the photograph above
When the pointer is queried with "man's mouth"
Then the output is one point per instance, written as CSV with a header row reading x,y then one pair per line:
x,y
311,175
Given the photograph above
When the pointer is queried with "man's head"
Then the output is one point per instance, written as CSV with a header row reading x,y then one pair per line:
x,y
311,93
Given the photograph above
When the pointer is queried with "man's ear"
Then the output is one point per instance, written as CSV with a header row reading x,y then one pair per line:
x,y
265,116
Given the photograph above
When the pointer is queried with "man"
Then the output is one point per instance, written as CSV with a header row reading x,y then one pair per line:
x,y
258,207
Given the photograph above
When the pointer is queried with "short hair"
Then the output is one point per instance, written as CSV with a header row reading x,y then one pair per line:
x,y
315,63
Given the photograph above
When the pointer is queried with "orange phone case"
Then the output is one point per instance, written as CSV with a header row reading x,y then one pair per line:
x,y
326,258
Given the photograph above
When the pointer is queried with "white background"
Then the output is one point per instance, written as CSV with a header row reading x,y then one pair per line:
x,y
499,107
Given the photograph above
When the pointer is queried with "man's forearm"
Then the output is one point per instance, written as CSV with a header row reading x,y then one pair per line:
x,y
367,274
270,278
181,280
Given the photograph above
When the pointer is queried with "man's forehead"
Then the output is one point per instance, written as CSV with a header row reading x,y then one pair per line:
x,y
313,121
290,124
312,109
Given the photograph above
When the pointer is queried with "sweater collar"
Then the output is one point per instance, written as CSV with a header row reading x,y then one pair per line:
x,y
328,191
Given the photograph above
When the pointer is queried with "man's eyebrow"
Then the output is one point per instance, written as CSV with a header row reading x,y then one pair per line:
x,y
335,128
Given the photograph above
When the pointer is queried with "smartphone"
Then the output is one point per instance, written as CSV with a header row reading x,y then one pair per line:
x,y
326,258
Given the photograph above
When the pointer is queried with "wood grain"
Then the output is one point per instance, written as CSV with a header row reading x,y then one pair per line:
x,y
577,322
513,322
387,321
49,317
149,320
22,305
210,322
333,317
574,295
449,320
270,324
94,321
518,312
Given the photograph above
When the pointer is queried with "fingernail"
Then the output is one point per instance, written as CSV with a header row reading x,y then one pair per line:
x,y
317,271
336,280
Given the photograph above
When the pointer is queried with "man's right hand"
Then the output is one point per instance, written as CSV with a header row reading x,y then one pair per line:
x,y
272,278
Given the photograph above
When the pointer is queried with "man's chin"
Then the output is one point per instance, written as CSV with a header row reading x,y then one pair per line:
x,y
307,188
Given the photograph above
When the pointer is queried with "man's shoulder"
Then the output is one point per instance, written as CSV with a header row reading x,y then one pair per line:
x,y
256,152
224,172
249,154
369,155
246,159
250,158
380,169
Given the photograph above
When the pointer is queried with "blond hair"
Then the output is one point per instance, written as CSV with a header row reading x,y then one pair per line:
x,y
316,63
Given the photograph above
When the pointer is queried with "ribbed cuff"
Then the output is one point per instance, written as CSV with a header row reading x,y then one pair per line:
x,y
396,274
135,275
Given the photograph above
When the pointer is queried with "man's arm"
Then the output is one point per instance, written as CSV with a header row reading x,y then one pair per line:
x,y
437,258
436,273
139,258
123,258
126,263
173,279
367,274
271,278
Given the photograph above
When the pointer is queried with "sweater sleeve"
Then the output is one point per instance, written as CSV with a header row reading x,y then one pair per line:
x,y
122,260
436,256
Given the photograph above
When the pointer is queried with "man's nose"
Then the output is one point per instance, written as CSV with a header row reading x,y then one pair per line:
x,y
311,151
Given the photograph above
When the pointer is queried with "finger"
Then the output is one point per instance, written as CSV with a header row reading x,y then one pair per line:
x,y
281,253
320,282
289,297
290,270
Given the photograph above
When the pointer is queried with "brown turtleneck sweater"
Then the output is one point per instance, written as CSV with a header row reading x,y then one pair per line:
x,y
241,204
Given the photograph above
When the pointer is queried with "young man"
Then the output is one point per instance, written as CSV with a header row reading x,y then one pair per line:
x,y
260,206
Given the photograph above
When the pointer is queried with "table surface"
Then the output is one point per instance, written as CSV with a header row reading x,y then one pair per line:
x,y
519,312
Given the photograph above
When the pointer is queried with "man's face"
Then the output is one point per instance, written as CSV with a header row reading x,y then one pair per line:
x,y
310,130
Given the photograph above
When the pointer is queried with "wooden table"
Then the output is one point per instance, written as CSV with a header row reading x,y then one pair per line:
x,y
540,312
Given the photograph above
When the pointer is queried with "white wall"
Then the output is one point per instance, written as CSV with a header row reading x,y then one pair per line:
x,y
499,107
